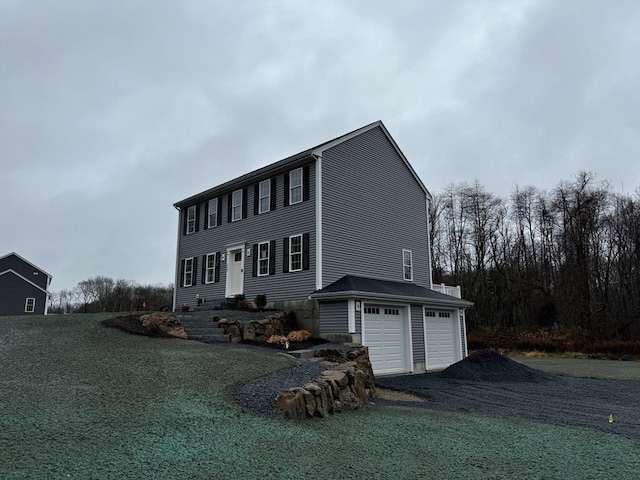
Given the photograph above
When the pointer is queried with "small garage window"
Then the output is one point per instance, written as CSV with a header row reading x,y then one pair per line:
x,y
30,305
372,310
391,311
444,314
429,313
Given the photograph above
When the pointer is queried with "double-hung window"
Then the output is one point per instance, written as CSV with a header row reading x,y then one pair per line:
x,y
30,305
236,213
191,219
407,265
295,253
263,259
210,268
295,186
213,213
264,190
188,272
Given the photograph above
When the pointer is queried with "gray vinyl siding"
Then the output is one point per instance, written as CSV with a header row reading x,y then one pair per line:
x,y
333,317
372,209
417,333
14,292
273,225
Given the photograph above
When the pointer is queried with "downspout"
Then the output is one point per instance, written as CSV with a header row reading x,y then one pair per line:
x,y
177,275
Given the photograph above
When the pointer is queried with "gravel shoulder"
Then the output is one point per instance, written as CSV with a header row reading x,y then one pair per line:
x,y
552,399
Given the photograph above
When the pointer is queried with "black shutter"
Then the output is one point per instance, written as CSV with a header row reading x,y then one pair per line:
x,y
286,189
255,260
273,194
219,215
194,277
305,251
197,217
229,207
217,274
206,214
272,257
182,262
245,201
256,198
305,183
184,220
203,277
285,255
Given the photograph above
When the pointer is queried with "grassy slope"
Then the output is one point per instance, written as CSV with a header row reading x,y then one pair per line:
x,y
81,401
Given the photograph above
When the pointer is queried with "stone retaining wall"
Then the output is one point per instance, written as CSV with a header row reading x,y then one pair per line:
x,y
345,385
281,323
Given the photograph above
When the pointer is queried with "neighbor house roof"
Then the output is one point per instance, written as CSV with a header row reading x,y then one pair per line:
x,y
294,161
351,286
25,261
13,272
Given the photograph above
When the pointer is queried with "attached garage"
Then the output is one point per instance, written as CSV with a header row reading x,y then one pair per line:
x,y
442,338
385,332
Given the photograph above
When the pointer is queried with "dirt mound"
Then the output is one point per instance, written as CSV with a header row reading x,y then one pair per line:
x,y
491,366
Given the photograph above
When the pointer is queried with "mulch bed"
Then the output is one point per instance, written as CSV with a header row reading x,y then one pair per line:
x,y
133,324
307,344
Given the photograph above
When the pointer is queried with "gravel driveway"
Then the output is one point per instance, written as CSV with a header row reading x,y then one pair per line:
x,y
556,400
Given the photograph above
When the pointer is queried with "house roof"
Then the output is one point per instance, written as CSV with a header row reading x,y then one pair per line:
x,y
10,271
351,286
293,161
25,261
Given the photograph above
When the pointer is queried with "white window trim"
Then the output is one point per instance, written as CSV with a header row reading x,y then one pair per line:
x,y
190,270
404,265
260,259
267,196
291,253
292,186
210,269
191,222
213,212
33,305
238,206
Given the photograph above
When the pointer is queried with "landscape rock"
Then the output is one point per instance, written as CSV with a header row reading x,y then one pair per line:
x,y
163,322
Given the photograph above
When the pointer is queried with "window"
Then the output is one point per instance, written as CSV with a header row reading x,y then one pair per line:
x,y
295,186
237,206
372,310
210,268
407,264
212,220
30,305
191,219
263,259
264,196
444,314
429,313
391,311
295,253
187,274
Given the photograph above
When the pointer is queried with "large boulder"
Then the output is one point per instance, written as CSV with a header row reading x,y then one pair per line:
x,y
163,322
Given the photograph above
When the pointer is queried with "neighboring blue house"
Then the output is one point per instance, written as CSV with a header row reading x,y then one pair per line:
x,y
24,288
343,224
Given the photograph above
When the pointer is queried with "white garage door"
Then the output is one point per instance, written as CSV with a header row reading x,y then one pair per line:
x,y
442,339
385,333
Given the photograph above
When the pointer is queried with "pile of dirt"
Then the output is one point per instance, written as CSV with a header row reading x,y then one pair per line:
x,y
491,366
133,324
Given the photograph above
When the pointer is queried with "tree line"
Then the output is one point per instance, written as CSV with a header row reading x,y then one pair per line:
x,y
103,294
568,257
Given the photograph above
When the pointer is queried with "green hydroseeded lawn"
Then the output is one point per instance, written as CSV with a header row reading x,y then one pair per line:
x,y
78,400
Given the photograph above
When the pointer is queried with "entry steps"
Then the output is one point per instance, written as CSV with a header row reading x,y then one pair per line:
x,y
202,329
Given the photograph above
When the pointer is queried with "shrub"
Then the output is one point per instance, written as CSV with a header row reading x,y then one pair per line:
x,y
299,336
261,300
241,301
185,307
277,339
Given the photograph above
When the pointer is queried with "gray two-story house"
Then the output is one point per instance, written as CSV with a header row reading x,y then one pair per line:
x,y
343,224
24,287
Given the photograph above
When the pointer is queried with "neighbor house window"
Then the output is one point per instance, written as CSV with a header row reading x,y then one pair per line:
x,y
213,213
191,219
407,264
188,272
30,305
263,259
210,266
295,186
295,253
237,206
264,196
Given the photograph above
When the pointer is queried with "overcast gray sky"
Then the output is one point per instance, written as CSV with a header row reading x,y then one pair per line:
x,y
112,111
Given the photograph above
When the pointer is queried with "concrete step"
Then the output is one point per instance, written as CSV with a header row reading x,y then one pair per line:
x,y
210,338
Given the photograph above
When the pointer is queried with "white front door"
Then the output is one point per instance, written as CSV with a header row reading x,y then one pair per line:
x,y
235,272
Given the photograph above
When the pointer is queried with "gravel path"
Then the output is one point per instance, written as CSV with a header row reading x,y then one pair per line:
x,y
557,400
